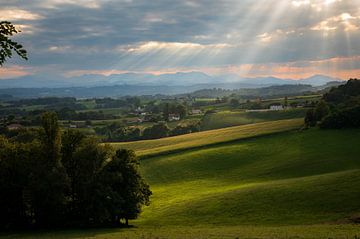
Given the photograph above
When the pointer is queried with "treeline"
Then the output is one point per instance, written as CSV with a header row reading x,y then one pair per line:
x,y
132,102
339,108
54,179
120,133
44,101
253,93
71,114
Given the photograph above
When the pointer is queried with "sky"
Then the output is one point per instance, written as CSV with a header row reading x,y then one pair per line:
x,y
251,38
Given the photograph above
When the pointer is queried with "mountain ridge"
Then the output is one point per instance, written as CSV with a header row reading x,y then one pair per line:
x,y
170,79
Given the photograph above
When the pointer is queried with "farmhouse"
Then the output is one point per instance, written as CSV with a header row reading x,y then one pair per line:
x,y
196,112
276,107
14,126
174,117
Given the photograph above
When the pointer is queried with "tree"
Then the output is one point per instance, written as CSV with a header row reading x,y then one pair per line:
x,y
67,179
181,110
310,119
157,131
127,192
345,118
71,141
8,46
286,102
88,204
51,136
322,109
234,102
14,169
339,108
166,111
48,182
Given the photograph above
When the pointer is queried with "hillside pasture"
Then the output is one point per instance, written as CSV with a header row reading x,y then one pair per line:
x,y
171,144
224,119
303,185
293,178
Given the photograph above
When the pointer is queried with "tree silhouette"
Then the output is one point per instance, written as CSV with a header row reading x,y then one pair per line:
x,y
8,46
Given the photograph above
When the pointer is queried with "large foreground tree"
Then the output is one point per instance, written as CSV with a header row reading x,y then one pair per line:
x,y
67,179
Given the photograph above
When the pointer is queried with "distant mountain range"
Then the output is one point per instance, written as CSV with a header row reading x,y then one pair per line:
x,y
98,86
230,81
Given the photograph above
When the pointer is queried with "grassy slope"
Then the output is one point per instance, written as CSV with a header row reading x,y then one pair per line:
x,y
289,185
292,178
151,147
232,118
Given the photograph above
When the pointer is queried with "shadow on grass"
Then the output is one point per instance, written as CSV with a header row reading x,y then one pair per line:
x,y
72,232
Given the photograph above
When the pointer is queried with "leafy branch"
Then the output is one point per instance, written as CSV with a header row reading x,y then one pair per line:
x,y
8,46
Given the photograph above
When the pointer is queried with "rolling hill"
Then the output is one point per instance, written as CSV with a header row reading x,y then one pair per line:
x,y
293,178
246,182
224,119
172,144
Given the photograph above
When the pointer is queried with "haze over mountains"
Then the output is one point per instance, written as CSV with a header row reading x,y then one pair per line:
x,y
177,79
117,85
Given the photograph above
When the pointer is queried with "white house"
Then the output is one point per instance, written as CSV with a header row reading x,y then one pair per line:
x,y
14,126
174,117
276,107
196,112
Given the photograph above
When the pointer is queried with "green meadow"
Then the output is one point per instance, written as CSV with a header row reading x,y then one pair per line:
x,y
293,178
291,184
224,119
200,139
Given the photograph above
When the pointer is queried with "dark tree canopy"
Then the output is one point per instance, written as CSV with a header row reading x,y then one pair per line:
x,y
339,108
8,46
67,179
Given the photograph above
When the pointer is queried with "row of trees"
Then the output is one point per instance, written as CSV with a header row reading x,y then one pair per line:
x,y
339,108
56,179
120,133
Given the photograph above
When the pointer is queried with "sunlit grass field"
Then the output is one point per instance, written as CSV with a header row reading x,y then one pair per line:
x,y
294,178
224,119
201,232
294,184
171,144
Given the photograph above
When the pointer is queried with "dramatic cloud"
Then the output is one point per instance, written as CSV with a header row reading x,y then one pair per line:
x,y
13,72
13,14
245,37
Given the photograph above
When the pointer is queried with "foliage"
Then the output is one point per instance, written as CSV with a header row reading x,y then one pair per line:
x,y
185,129
67,179
70,114
343,94
310,118
200,139
156,131
8,46
322,109
339,108
313,116
272,91
174,108
131,102
125,186
345,118
234,102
